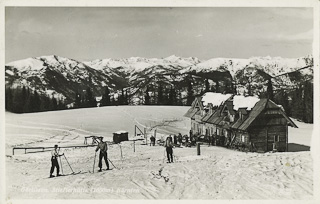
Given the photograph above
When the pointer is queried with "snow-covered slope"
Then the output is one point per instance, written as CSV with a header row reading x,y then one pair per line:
x,y
219,173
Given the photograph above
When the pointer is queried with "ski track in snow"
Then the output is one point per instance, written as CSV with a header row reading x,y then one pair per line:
x,y
219,173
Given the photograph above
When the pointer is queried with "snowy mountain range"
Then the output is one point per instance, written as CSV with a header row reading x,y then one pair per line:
x,y
63,77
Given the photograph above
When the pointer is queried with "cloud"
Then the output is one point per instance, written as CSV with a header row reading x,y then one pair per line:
x,y
198,36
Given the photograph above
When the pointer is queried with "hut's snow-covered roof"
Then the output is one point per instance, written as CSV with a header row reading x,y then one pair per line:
x,y
244,102
121,132
216,99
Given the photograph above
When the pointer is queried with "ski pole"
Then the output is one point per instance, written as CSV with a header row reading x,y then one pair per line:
x,y
68,163
61,164
164,155
94,162
60,161
112,163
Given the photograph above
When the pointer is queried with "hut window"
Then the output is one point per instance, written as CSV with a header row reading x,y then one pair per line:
x,y
276,138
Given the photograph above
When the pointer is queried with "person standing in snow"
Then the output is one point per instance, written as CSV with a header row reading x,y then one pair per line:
x,y
54,161
103,153
168,144
153,140
180,138
175,139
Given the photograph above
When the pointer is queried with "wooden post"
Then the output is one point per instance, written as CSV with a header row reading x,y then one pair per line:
x,y
120,150
145,135
12,151
198,148
267,139
135,130
25,150
155,134
134,146
287,138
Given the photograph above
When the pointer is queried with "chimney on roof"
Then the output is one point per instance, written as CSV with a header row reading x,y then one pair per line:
x,y
210,107
229,103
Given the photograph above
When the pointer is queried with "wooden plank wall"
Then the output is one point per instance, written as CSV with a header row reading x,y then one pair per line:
x,y
281,131
258,136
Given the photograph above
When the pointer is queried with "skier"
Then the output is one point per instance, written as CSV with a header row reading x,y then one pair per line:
x,y
175,139
153,140
103,153
180,138
168,144
54,161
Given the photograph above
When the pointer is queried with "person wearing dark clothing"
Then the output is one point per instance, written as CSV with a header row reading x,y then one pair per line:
x,y
152,140
209,140
180,138
168,144
103,153
175,139
54,161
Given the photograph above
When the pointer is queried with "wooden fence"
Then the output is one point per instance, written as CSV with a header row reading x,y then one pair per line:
x,y
44,149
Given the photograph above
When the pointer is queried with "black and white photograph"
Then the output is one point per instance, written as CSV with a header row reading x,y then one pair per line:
x,y
160,102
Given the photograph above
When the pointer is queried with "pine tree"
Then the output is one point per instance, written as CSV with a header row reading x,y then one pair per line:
x,y
160,95
45,103
122,98
90,100
172,96
53,103
77,103
28,107
18,104
207,85
270,90
217,87
147,97
127,98
36,102
61,104
190,96
308,102
105,101
8,99
297,103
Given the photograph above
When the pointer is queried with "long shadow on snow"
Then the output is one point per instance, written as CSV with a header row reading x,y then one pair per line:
x,y
293,147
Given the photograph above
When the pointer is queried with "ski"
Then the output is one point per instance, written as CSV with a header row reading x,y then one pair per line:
x,y
100,171
73,173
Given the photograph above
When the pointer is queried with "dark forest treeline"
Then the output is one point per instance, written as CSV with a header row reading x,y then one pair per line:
x,y
24,100
297,102
87,99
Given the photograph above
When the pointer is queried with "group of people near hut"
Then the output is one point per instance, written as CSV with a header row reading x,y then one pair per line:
x,y
169,143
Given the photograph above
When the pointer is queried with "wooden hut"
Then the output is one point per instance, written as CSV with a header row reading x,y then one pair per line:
x,y
265,127
257,124
120,136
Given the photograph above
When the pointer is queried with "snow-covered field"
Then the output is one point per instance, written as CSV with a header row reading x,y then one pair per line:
x,y
219,173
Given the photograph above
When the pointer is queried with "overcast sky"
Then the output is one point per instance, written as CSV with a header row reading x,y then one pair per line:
x,y
97,33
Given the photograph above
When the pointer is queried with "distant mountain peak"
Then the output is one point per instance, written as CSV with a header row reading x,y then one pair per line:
x,y
67,76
